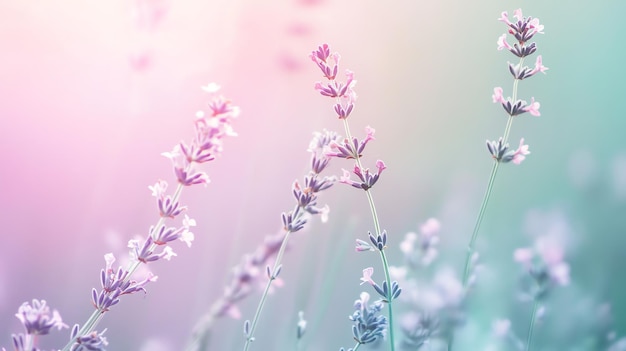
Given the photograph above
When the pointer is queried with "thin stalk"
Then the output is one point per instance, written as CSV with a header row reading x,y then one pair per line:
x,y
492,178
358,344
259,308
29,341
383,257
96,316
479,219
531,325
483,205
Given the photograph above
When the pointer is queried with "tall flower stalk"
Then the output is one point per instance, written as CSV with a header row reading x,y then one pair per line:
x,y
352,148
522,29
206,146
293,221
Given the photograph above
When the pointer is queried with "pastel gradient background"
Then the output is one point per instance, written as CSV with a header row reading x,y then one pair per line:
x,y
90,95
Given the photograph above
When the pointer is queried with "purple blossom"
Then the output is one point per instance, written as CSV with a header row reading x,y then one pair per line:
x,y
319,147
190,177
145,252
421,248
93,341
501,152
342,91
515,108
369,325
246,274
115,283
163,235
321,57
379,240
206,145
367,179
168,207
523,72
194,153
545,265
38,319
523,30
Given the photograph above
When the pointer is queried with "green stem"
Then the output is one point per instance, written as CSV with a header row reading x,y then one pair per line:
x,y
483,207
377,228
356,347
492,178
259,309
479,219
531,325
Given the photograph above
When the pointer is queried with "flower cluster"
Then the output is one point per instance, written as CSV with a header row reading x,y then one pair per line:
x,y
37,319
433,303
502,153
207,144
369,325
545,266
352,149
421,248
293,221
343,92
522,29
306,194
345,96
93,341
388,294
115,283
247,274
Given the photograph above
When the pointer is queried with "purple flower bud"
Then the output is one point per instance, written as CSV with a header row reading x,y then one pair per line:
x,y
38,319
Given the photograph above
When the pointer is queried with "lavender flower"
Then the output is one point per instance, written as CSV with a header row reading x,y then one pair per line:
x,y
247,273
115,283
517,107
523,30
344,95
421,248
205,146
369,325
419,330
501,152
545,265
351,148
388,294
93,341
293,221
37,318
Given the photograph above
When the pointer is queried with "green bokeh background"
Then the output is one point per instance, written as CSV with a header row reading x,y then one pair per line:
x,y
425,71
